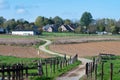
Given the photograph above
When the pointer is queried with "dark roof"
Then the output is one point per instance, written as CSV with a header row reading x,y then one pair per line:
x,y
68,28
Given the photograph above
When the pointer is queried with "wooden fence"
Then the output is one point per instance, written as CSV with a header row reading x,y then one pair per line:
x,y
92,68
21,71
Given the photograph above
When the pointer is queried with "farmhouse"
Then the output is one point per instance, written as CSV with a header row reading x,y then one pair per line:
x,y
47,28
50,28
23,33
66,28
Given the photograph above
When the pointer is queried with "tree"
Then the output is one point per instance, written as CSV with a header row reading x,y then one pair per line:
x,y
59,29
47,21
86,19
67,22
100,23
39,21
92,28
27,26
10,24
118,26
79,30
58,21
2,20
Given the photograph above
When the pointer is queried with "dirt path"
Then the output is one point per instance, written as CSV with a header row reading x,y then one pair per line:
x,y
74,74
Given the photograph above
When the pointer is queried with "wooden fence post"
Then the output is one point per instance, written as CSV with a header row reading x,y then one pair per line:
x,y
61,64
66,61
46,68
3,75
87,69
102,71
91,68
111,71
93,64
65,57
21,71
57,63
70,61
54,66
8,72
16,72
76,57
40,70
95,71
13,72
51,68
26,71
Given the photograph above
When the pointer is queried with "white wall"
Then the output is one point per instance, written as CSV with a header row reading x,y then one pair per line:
x,y
22,33
63,28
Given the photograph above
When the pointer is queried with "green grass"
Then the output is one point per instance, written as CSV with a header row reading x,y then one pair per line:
x,y
65,34
16,36
39,44
49,35
62,34
116,69
10,60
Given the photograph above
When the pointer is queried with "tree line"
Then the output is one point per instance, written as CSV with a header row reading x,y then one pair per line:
x,y
86,24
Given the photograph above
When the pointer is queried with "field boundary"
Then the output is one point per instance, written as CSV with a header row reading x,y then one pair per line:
x,y
84,40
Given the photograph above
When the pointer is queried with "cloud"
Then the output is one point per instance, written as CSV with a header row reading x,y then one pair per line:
x,y
26,6
4,4
20,11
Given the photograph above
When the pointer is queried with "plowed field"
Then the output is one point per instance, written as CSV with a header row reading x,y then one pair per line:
x,y
20,51
20,47
87,49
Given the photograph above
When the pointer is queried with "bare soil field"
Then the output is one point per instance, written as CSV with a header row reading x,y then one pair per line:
x,y
87,49
20,47
20,51
19,41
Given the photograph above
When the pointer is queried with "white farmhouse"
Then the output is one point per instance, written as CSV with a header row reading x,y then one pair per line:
x,y
23,33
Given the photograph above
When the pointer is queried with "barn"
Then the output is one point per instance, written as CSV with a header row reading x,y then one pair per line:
x,y
24,33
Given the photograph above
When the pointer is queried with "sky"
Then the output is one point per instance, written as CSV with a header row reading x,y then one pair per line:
x,y
66,9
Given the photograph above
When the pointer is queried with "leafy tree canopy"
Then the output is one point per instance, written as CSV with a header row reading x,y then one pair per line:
x,y
86,19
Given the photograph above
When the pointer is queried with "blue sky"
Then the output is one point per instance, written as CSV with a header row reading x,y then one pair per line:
x,y
71,9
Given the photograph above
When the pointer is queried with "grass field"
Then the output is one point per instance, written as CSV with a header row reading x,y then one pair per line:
x,y
116,69
57,34
30,62
10,60
106,69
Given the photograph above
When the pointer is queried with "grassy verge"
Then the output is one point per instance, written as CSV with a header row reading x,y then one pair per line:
x,y
57,73
40,43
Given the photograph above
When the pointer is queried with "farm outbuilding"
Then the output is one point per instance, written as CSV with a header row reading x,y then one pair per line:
x,y
22,32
